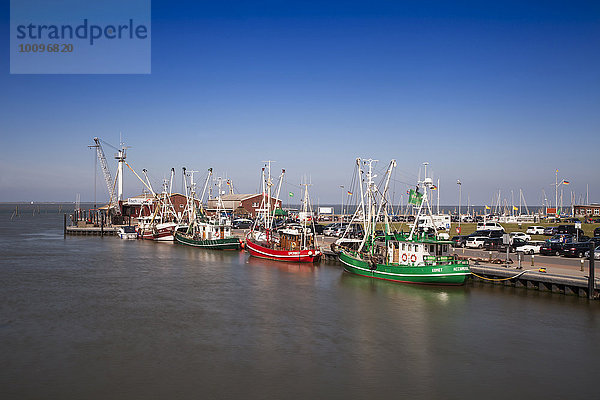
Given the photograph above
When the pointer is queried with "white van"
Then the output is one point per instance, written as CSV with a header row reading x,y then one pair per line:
x,y
442,222
489,226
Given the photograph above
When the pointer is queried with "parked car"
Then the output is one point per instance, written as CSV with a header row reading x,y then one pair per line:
x,y
355,231
497,244
553,246
494,226
487,233
596,253
531,247
520,235
493,244
330,229
550,230
569,229
476,242
459,241
575,249
242,223
319,228
560,238
535,230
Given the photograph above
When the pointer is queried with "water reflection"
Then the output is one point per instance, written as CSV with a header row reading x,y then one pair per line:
x,y
292,267
171,319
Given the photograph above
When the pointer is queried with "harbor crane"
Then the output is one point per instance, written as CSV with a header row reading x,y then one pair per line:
x,y
120,156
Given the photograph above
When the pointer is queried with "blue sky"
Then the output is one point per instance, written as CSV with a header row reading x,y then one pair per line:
x,y
496,95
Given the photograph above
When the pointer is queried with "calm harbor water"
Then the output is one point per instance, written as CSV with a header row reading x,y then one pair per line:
x,y
98,318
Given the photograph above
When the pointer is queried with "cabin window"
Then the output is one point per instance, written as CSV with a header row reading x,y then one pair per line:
x,y
597,211
432,248
403,246
445,248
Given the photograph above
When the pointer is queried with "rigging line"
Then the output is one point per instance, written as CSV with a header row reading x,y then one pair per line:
x,y
408,174
405,183
291,184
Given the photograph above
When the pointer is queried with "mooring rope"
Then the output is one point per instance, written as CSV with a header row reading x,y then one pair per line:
x,y
503,279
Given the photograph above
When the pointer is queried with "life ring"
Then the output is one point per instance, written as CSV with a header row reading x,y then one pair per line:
x,y
413,258
404,257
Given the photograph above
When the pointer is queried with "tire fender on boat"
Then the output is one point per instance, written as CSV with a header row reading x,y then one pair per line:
x,y
413,258
404,257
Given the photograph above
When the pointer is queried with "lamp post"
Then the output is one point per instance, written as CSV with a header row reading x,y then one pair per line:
x,y
459,183
342,211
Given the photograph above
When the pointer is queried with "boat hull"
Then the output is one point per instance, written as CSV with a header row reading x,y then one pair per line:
x,y
231,243
307,256
162,232
449,274
127,235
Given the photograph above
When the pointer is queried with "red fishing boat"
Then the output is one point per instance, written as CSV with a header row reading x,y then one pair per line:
x,y
286,248
292,244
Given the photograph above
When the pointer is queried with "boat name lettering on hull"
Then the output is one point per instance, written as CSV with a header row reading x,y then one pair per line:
x,y
461,268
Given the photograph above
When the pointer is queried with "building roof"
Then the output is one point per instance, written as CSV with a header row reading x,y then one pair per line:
x,y
237,197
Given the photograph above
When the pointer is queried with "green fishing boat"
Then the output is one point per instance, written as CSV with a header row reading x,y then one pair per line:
x,y
225,243
206,231
419,256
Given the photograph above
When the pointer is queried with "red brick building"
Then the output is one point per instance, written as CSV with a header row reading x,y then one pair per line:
x,y
242,204
590,211
145,203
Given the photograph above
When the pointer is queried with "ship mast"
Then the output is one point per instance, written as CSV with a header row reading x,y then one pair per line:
x,y
426,184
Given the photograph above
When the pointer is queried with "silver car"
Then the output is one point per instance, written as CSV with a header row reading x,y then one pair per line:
x,y
596,253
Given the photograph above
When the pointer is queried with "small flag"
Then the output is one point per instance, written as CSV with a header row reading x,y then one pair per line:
x,y
488,207
349,193
434,187
229,183
565,182
291,194
515,208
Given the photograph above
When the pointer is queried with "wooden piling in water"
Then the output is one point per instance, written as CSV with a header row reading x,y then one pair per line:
x,y
591,272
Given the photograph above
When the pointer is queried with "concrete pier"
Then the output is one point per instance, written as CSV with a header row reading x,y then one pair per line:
x,y
534,279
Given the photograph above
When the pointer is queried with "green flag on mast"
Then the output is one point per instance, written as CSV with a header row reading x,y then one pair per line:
x,y
414,197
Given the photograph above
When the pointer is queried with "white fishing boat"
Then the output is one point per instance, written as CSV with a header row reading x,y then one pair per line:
x,y
127,232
